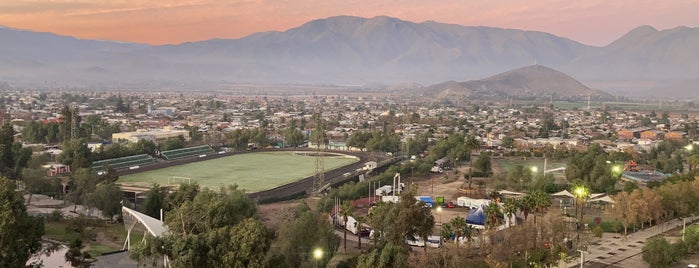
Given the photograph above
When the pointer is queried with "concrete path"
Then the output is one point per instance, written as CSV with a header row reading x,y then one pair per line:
x,y
613,250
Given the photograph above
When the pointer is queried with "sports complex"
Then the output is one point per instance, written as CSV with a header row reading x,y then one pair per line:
x,y
253,172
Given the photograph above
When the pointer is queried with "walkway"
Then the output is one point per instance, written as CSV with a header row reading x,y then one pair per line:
x,y
613,250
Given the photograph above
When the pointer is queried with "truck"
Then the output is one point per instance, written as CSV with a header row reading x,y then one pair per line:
x,y
351,225
470,202
426,199
384,190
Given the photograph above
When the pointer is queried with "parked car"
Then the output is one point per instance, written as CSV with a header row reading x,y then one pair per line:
x,y
365,232
450,205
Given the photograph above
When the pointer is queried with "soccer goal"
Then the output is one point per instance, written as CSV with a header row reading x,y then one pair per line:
x,y
178,180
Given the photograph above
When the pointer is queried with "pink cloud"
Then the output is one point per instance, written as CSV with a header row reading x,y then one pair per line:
x,y
595,22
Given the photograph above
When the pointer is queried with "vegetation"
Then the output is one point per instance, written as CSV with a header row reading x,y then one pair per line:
x,y
20,234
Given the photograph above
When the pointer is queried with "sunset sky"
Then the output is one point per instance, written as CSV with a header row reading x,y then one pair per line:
x,y
593,22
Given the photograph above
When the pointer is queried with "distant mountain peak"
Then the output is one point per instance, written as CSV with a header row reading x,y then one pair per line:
x,y
525,82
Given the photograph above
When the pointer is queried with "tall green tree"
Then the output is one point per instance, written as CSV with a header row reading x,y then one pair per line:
x,y
82,183
155,201
107,197
298,238
214,229
20,234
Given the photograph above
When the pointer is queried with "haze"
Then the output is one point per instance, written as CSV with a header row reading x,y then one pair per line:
x,y
595,22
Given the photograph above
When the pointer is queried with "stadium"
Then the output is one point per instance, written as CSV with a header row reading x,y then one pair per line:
x,y
265,174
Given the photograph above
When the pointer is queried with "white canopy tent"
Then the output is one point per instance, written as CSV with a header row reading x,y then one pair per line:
x,y
605,199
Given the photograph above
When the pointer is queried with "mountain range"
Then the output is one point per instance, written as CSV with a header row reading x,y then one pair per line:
x,y
354,50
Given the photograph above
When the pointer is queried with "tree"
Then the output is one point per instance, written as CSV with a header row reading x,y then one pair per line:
x,y
510,208
33,178
461,229
656,253
241,246
360,220
345,213
215,229
299,237
624,210
293,137
82,183
20,234
359,140
107,197
493,214
483,164
7,159
154,202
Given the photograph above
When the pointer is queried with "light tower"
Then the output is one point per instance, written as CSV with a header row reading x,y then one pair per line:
x,y
318,138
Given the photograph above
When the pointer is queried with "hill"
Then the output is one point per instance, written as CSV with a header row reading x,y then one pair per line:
x,y
528,82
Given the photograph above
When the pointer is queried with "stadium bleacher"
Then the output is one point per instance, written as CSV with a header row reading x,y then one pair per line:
x,y
124,162
187,152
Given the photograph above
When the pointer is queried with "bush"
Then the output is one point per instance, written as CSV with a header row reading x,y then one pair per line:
x,y
611,226
55,216
597,231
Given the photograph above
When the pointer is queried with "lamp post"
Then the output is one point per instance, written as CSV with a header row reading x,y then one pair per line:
x,y
580,193
317,255
439,211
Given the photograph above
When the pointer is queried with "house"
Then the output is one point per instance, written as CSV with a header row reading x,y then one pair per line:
x,y
675,135
652,135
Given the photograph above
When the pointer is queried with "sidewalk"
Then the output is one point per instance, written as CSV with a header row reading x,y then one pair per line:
x,y
614,249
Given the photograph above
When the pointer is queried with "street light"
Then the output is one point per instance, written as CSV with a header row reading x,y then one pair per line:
x,y
439,211
580,193
689,147
317,255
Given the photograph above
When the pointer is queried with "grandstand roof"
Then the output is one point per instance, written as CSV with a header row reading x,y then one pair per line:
x,y
644,176
153,225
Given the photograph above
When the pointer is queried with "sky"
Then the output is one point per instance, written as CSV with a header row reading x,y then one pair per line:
x,y
592,22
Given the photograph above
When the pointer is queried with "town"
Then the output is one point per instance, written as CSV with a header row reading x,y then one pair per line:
x,y
483,170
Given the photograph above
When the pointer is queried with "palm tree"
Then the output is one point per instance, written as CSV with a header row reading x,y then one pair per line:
x,y
510,208
492,212
446,231
345,212
527,205
541,201
360,220
459,225
470,145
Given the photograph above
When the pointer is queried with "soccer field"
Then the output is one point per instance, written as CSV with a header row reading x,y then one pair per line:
x,y
253,172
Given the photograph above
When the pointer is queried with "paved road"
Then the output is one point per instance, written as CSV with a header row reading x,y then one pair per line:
x,y
614,250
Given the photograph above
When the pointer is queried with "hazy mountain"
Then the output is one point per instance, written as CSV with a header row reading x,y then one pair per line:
x,y
533,81
350,50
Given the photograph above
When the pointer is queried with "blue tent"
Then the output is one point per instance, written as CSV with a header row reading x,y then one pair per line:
x,y
476,216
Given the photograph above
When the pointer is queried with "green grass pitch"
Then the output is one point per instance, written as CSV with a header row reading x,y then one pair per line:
x,y
251,171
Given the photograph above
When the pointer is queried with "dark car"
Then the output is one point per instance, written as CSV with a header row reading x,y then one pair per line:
x,y
364,232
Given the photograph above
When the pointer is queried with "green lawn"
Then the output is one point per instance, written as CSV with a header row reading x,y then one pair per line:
x,y
506,164
113,235
251,171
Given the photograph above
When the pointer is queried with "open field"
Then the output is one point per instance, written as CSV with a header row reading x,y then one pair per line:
x,y
505,164
252,171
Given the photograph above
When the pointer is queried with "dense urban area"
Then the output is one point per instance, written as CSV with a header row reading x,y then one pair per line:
x,y
439,182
